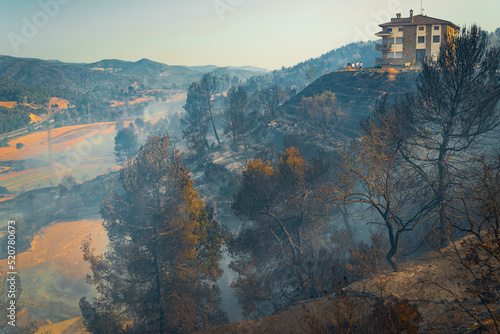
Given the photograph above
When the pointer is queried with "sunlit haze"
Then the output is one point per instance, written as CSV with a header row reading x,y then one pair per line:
x,y
268,34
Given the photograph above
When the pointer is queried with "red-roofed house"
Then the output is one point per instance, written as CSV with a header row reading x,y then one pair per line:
x,y
412,39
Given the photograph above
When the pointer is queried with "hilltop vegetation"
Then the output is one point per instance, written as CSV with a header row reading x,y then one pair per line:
x,y
304,73
11,90
83,78
22,100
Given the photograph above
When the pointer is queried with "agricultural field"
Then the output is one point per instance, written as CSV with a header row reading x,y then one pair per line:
x,y
83,151
53,271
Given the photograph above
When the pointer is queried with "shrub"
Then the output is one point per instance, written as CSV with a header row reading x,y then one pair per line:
x,y
343,314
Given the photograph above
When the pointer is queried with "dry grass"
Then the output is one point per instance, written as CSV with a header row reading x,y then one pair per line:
x,y
3,199
35,118
16,179
63,139
56,102
392,71
59,244
140,100
31,106
136,101
72,151
177,97
430,283
8,105
115,104
74,325
53,270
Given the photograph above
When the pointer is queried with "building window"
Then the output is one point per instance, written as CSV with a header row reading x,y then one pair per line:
x,y
389,29
399,40
399,55
421,28
400,29
436,39
390,41
421,39
390,55
436,27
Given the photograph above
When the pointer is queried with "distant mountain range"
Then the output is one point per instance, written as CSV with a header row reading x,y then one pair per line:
x,y
210,68
84,77
149,67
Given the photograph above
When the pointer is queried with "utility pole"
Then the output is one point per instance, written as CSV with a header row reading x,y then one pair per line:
x,y
51,162
88,109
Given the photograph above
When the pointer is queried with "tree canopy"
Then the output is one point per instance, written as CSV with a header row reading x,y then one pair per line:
x,y
161,269
455,107
278,253
125,145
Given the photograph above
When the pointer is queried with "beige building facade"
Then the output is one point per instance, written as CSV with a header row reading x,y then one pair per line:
x,y
412,40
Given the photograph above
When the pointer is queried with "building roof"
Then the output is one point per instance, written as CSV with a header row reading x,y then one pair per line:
x,y
417,20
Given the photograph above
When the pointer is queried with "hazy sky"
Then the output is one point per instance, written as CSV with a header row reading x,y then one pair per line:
x,y
267,34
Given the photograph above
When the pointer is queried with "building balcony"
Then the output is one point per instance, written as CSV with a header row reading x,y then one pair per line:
x,y
383,47
384,33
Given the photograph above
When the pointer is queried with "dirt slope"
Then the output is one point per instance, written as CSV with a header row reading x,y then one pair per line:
x,y
426,282
358,91
71,326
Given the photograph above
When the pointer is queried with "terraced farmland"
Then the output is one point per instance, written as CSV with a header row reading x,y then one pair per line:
x,y
82,151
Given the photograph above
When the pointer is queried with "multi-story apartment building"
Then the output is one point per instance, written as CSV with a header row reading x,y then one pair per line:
x,y
411,40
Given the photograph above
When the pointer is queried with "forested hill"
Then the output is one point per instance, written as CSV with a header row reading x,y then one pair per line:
x,y
11,90
333,60
55,74
111,72
357,92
